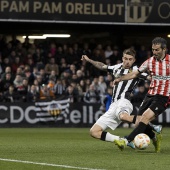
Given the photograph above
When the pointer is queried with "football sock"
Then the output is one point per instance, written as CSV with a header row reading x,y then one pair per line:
x,y
139,129
103,136
106,136
149,131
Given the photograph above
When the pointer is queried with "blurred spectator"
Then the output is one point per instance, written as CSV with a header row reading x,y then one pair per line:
x,y
108,62
34,51
100,50
38,58
12,56
66,75
59,55
20,71
108,79
63,65
53,75
11,95
80,76
51,65
50,85
5,63
71,57
91,95
35,72
85,71
53,49
81,89
72,69
37,86
23,89
115,56
32,95
6,82
86,50
102,85
95,83
17,81
59,88
87,83
29,75
21,51
7,70
30,63
44,76
17,63
108,98
72,94
82,86
46,93
108,51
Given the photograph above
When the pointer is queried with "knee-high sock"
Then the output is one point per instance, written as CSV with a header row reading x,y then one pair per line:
x,y
139,129
149,131
106,136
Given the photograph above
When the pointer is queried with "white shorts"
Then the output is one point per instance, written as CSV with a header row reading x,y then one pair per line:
x,y
110,119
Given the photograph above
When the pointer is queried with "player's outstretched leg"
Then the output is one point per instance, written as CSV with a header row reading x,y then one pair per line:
x,y
157,128
157,142
121,143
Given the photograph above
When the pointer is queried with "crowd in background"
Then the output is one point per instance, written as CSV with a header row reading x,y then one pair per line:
x,y
48,70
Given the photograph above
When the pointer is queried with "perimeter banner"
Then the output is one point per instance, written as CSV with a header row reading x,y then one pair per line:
x,y
86,11
47,115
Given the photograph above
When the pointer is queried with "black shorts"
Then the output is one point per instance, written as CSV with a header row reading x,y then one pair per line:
x,y
156,103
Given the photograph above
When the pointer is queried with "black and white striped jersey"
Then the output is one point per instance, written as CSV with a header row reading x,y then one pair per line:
x,y
124,88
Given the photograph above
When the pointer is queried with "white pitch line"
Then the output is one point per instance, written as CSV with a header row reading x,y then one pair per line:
x,y
46,164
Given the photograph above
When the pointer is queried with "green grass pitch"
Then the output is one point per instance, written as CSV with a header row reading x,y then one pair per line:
x,y
73,148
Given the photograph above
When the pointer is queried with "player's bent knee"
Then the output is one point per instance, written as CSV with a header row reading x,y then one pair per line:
x,y
94,133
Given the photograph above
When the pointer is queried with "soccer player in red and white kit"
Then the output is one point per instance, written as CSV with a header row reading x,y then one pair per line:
x,y
156,99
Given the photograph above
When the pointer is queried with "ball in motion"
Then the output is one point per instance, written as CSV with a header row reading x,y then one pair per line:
x,y
142,141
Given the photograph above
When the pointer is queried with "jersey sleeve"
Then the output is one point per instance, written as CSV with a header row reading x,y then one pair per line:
x,y
110,69
143,67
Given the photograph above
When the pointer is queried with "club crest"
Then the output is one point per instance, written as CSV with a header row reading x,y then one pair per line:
x,y
138,10
54,108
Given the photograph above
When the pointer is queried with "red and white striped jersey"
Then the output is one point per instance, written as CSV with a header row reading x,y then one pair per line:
x,y
160,72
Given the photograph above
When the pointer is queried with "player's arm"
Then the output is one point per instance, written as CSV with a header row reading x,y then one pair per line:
x,y
97,64
128,76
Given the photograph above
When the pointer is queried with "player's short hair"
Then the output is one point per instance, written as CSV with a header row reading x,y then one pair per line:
x,y
130,51
161,41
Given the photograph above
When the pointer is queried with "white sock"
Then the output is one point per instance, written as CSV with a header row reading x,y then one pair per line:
x,y
111,138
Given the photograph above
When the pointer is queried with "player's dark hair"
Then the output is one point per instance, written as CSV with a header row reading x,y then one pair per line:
x,y
161,41
130,51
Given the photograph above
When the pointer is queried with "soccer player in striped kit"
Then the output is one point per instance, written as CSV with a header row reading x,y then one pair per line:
x,y
157,97
121,107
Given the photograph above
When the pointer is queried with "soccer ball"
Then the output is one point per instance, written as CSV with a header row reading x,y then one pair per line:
x,y
142,141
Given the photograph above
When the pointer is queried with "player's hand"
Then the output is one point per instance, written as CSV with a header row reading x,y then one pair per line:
x,y
116,81
84,57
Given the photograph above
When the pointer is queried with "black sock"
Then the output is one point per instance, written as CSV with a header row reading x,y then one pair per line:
x,y
149,131
139,129
103,136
